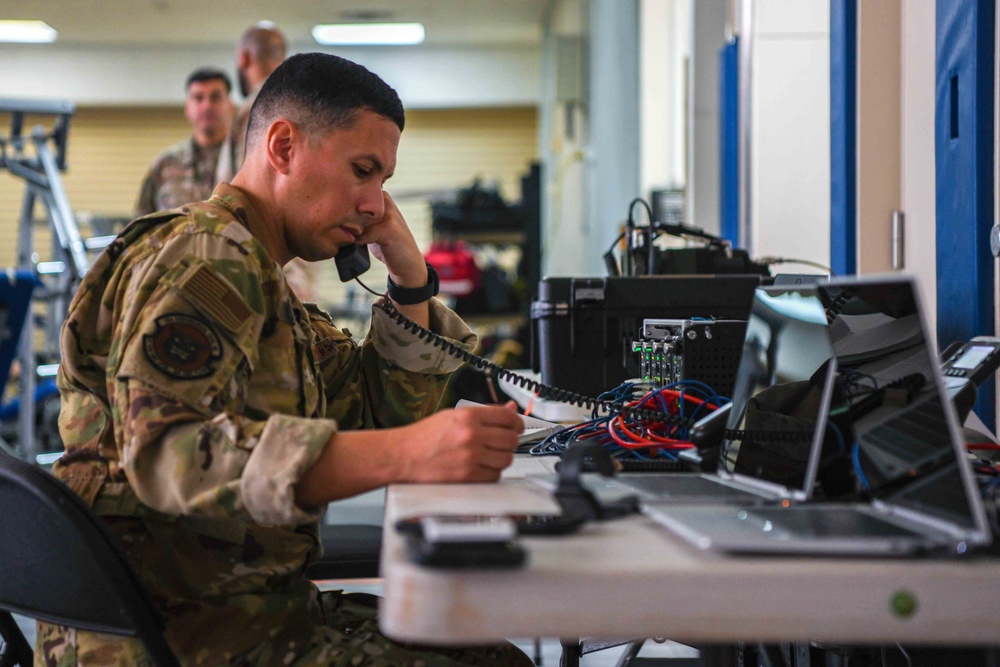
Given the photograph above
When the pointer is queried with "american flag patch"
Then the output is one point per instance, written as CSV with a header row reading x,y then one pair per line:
x,y
212,292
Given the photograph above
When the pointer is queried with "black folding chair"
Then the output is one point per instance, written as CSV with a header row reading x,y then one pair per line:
x,y
61,565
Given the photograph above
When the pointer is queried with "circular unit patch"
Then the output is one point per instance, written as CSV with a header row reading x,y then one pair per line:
x,y
183,347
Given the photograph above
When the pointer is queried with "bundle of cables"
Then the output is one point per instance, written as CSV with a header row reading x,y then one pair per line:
x,y
988,474
863,396
681,404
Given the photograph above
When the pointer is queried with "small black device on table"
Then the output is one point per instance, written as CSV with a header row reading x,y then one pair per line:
x,y
477,540
966,366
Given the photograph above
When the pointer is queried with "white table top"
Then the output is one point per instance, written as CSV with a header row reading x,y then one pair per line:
x,y
630,578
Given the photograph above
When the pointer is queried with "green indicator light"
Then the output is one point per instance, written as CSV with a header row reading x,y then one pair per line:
x,y
903,604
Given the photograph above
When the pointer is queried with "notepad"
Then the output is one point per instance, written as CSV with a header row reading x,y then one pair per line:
x,y
531,466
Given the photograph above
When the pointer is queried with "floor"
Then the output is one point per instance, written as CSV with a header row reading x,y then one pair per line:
x,y
548,649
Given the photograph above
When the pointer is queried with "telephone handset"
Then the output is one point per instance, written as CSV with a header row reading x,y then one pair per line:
x,y
352,261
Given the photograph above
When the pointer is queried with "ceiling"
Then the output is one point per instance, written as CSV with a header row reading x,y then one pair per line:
x,y
103,23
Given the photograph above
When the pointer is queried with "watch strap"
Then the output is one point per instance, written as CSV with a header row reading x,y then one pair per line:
x,y
407,296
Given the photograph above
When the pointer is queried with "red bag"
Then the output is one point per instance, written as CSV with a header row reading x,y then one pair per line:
x,y
456,267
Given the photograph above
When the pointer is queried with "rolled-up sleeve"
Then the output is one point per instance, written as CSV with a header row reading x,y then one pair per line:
x,y
415,353
288,447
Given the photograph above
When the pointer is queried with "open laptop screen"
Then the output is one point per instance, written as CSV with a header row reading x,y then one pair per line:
x,y
779,395
903,449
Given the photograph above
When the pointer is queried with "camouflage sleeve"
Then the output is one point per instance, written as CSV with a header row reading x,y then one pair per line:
x,y
393,378
189,444
146,203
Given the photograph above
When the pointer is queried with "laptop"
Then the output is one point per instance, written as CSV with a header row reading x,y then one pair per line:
x,y
914,491
777,426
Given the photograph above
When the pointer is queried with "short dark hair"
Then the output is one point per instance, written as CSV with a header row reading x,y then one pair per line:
x,y
321,92
203,74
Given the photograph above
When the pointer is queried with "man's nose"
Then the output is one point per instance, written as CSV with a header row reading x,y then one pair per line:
x,y
372,204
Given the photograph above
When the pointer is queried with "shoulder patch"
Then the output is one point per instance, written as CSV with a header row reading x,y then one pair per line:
x,y
217,296
183,346
324,348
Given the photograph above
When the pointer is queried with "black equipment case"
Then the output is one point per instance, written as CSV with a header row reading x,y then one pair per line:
x,y
583,328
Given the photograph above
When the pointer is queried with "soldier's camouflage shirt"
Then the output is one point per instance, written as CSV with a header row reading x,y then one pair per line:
x,y
183,173
196,390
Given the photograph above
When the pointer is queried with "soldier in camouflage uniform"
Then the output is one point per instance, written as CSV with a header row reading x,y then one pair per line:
x,y
186,171
209,415
260,50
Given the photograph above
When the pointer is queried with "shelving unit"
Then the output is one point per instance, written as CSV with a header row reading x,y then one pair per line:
x,y
504,332
483,219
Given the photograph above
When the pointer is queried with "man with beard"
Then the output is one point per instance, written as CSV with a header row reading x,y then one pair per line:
x,y
259,52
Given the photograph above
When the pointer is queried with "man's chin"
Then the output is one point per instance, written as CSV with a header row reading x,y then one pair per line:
x,y
316,254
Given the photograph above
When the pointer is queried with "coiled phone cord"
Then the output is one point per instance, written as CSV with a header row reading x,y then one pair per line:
x,y
540,390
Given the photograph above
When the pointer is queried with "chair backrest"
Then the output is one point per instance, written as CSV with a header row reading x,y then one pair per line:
x,y
61,565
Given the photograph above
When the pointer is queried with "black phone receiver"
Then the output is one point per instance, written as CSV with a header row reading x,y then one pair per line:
x,y
352,261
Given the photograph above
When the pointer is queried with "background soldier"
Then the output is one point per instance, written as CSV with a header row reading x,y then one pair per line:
x,y
186,171
259,52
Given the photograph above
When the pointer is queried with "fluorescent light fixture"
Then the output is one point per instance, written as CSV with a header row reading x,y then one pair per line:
x,y
47,370
48,459
27,32
331,34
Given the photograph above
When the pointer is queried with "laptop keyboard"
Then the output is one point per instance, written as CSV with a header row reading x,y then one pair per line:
x,y
827,522
912,435
682,485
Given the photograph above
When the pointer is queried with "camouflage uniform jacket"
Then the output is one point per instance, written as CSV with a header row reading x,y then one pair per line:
x,y
183,173
196,390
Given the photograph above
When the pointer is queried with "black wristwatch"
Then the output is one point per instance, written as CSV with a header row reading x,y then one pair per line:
x,y
407,296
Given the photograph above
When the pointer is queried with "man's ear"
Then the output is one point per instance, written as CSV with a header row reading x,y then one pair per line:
x,y
242,59
280,136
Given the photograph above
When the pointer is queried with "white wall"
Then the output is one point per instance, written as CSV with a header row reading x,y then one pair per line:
x,y
709,30
665,50
563,132
613,148
425,77
919,187
790,196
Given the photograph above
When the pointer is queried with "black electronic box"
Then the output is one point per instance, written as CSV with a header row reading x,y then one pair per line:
x,y
583,329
